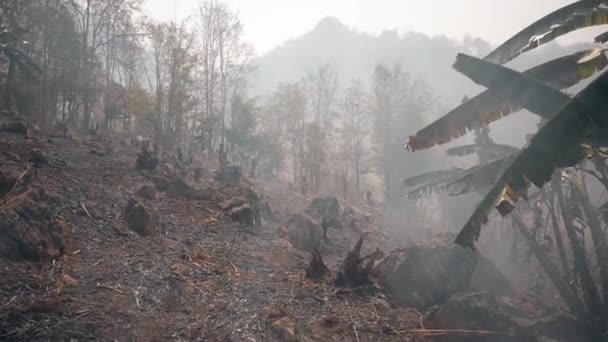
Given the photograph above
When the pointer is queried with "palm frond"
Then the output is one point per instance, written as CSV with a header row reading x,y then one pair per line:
x,y
486,107
561,142
578,15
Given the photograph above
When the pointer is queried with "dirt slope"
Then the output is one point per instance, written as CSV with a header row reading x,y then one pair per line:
x,y
201,277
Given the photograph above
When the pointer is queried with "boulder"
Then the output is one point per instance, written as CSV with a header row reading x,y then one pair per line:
x,y
140,218
425,275
31,227
476,312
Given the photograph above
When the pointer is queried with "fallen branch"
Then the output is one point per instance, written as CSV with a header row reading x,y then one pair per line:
x,y
110,288
85,210
438,332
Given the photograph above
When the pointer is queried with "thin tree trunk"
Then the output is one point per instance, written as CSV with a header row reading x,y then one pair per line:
x,y
559,241
590,291
564,290
8,93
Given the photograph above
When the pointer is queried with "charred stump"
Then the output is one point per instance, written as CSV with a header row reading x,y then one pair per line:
x,y
356,271
146,161
316,269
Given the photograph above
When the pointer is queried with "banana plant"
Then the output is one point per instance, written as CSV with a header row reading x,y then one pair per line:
x,y
578,128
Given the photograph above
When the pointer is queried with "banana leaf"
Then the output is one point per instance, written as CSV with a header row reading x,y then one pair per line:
x,y
437,185
429,177
480,177
562,142
601,38
578,15
494,150
486,107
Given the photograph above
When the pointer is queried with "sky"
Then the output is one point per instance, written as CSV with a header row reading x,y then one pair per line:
x,y
269,23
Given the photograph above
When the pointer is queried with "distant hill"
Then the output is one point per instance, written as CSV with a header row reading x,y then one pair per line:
x,y
354,54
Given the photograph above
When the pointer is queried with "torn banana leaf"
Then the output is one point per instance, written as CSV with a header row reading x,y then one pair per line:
x,y
427,189
493,150
602,38
561,142
567,19
485,108
479,177
429,177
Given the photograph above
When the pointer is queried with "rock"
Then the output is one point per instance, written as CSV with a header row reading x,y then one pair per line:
x,y
285,329
31,227
422,276
38,157
476,311
146,161
324,206
140,218
147,191
303,233
230,175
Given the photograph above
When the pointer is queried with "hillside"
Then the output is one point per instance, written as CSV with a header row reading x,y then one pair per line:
x,y
94,249
354,55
